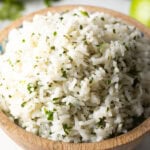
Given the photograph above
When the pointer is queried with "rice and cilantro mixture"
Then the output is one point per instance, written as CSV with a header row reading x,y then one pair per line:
x,y
74,76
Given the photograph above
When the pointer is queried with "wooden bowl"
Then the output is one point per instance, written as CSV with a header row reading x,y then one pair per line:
x,y
30,141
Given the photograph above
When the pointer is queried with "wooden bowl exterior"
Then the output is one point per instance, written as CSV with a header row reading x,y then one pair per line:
x,y
30,141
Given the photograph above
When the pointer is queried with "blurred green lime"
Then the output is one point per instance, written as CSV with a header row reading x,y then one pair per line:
x,y
140,10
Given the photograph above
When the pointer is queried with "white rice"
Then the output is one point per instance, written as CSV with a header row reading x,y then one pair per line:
x,y
74,76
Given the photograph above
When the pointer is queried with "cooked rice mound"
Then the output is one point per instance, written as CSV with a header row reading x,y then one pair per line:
x,y
74,76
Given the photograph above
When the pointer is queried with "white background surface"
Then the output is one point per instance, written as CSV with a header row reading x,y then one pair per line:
x,y
32,5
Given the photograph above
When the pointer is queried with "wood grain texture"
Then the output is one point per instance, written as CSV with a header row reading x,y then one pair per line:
x,y
30,141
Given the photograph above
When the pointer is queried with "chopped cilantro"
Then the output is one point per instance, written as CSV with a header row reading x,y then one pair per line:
x,y
134,38
64,73
10,62
65,50
61,18
115,22
9,96
102,18
85,41
17,61
81,27
35,66
53,47
50,85
102,122
55,99
108,82
23,104
75,14
55,33
70,58
49,114
107,109
32,34
66,128
114,31
84,13
23,40
32,87
127,48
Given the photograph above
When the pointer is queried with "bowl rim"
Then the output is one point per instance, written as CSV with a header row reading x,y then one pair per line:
x,y
18,134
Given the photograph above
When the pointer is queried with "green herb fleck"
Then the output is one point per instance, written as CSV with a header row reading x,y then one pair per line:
x,y
115,22
55,99
81,27
55,33
9,96
61,18
127,48
66,128
64,73
70,58
107,109
84,13
23,40
68,68
10,62
23,104
114,31
32,34
85,41
50,85
102,18
75,14
52,47
32,87
134,38
49,114
35,66
108,82
102,122
17,61
65,50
